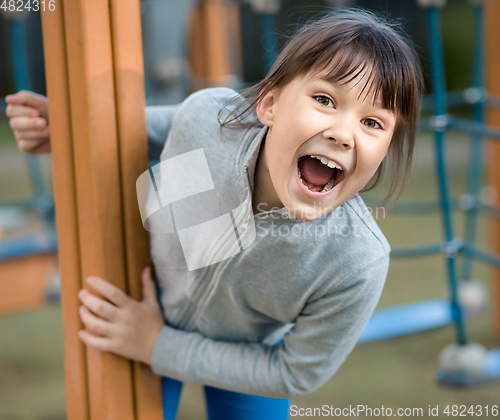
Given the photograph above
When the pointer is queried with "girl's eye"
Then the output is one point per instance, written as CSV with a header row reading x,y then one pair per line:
x,y
370,123
324,100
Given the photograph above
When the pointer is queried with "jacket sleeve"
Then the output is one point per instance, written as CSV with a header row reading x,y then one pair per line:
x,y
325,332
158,122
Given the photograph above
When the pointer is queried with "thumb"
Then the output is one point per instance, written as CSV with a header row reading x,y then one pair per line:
x,y
148,287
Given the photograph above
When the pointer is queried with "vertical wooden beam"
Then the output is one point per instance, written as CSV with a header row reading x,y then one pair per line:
x,y
66,215
196,51
209,44
216,41
95,81
133,152
493,118
100,219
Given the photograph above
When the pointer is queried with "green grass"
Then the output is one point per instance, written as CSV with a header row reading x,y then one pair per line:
x,y
31,365
394,373
6,134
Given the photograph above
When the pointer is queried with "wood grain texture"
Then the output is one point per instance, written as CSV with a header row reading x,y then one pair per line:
x,y
75,363
99,200
133,161
212,33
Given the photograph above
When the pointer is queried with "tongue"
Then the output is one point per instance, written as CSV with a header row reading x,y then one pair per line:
x,y
314,172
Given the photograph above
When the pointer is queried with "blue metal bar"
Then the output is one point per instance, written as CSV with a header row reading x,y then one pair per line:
x,y
432,206
439,91
477,142
462,124
28,245
22,82
490,211
44,202
459,124
268,22
472,251
406,319
417,251
458,98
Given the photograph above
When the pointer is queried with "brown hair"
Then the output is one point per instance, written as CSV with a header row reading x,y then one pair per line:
x,y
344,44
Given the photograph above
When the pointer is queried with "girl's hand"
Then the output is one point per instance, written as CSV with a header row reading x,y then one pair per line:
x,y
29,118
128,329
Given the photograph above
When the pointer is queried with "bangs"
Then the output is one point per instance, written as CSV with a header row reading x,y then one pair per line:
x,y
366,56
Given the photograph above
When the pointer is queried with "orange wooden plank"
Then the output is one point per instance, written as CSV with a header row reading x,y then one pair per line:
x,y
209,43
493,117
99,200
217,42
66,215
24,282
197,54
133,152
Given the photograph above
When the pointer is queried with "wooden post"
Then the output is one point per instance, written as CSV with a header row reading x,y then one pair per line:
x,y
93,55
66,215
132,143
210,37
492,14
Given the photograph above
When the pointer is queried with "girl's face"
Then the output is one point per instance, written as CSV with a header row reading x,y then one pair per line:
x,y
316,127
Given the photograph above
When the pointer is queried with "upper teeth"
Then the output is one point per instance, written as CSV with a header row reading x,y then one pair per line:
x,y
327,162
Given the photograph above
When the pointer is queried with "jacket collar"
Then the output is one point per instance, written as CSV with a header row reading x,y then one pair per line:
x,y
252,145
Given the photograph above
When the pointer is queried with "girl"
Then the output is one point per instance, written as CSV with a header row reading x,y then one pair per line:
x,y
278,316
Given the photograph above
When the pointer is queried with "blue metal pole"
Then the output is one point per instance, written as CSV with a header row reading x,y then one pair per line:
x,y
21,77
477,142
268,21
44,201
439,90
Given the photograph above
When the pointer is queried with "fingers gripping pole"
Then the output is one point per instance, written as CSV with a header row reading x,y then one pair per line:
x,y
96,89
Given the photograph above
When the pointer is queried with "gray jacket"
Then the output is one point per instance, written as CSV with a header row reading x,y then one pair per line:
x,y
315,283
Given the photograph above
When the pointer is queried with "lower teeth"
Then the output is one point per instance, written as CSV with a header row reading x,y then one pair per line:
x,y
329,186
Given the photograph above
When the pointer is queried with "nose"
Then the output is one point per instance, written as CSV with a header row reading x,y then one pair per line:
x,y
342,133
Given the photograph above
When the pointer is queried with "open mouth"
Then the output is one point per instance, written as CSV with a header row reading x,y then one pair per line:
x,y
318,173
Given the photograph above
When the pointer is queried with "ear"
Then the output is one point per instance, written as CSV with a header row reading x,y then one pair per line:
x,y
265,108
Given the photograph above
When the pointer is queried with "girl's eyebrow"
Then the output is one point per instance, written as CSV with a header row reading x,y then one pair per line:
x,y
323,80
